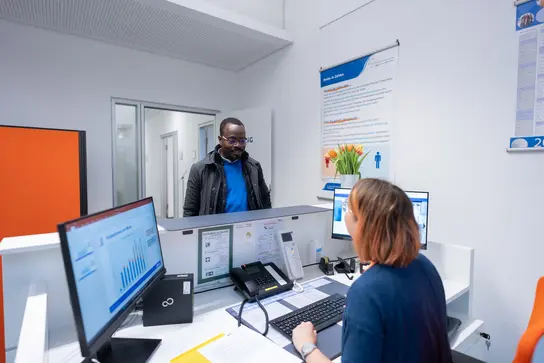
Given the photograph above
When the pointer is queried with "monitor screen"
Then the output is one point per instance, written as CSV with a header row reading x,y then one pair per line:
x,y
340,207
114,255
420,201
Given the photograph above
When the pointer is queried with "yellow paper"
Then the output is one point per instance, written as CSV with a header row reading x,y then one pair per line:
x,y
193,356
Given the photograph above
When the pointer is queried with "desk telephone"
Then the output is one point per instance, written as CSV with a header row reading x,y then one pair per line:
x,y
256,279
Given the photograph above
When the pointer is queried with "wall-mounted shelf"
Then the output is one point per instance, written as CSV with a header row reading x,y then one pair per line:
x,y
524,149
192,30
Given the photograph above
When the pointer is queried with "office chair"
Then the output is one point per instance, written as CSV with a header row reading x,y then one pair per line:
x,y
531,345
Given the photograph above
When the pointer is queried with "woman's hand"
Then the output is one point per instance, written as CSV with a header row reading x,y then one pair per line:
x,y
304,333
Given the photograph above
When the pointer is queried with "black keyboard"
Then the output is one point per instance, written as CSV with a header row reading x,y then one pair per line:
x,y
321,314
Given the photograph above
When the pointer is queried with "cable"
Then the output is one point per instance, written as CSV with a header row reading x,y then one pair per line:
x,y
345,268
240,312
297,287
265,315
262,308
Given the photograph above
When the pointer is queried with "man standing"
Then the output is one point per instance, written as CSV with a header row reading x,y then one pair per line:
x,y
227,180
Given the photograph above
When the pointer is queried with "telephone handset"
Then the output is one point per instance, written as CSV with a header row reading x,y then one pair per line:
x,y
256,279
291,256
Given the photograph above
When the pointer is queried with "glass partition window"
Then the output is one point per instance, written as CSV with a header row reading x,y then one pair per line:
x,y
154,147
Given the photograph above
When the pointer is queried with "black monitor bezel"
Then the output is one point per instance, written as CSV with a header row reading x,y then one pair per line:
x,y
333,235
423,246
90,349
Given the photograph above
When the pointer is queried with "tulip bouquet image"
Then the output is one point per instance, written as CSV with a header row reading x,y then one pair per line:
x,y
347,159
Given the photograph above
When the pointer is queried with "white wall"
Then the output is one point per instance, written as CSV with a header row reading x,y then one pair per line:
x,y
266,11
331,10
455,112
187,127
288,83
53,80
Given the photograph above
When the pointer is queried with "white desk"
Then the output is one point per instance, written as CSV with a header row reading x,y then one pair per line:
x,y
210,319
30,260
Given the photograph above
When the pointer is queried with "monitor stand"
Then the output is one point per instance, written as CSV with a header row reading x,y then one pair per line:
x,y
127,350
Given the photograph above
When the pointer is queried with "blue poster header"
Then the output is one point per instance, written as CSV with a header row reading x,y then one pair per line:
x,y
344,72
527,142
528,15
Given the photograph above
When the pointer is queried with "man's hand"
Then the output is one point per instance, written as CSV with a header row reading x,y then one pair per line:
x,y
304,333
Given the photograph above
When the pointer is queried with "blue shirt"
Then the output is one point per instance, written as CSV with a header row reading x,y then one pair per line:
x,y
396,315
236,187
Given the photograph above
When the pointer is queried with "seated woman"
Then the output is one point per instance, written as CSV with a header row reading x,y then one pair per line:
x,y
396,310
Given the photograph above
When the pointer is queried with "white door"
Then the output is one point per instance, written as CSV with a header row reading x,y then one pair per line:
x,y
258,123
169,176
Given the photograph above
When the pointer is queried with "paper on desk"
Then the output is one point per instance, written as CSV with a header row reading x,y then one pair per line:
x,y
318,283
255,317
193,355
244,345
305,298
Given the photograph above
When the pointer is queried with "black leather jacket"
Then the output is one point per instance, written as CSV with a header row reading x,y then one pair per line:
x,y
206,187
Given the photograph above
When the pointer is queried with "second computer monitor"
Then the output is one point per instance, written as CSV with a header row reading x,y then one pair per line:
x,y
420,202
340,207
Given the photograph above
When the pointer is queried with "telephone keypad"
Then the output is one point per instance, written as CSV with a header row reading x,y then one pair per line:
x,y
264,281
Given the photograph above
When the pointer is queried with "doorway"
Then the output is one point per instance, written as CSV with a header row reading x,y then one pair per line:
x,y
154,147
206,136
171,137
169,175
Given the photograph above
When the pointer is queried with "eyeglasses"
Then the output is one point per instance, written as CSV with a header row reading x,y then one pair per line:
x,y
233,140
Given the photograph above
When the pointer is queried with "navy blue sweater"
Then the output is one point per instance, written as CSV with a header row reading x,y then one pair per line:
x,y
396,315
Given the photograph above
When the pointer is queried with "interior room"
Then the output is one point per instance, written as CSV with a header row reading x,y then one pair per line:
x,y
145,85
169,134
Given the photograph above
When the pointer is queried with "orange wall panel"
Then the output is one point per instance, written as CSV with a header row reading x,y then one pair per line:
x,y
39,185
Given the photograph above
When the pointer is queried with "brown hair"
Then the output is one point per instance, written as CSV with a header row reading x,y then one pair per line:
x,y
387,232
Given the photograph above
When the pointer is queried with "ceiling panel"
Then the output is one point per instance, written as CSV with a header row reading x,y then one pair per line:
x,y
160,27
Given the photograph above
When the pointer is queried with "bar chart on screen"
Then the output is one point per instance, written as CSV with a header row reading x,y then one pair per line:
x,y
133,267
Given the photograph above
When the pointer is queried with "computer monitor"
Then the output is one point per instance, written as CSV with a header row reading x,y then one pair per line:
x,y
420,201
340,207
111,259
